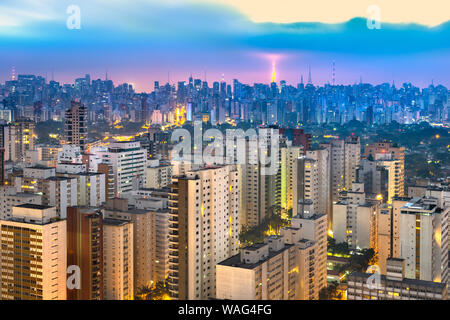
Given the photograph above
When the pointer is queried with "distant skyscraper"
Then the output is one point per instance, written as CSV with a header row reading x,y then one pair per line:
x,y
75,127
274,73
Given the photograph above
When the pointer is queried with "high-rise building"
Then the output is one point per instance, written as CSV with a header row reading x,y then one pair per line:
x,y
262,271
157,202
298,137
311,181
388,151
344,157
260,188
150,216
423,237
288,157
60,192
75,125
203,229
381,178
17,139
2,166
9,197
128,162
85,250
118,259
311,226
355,219
33,254
159,175
336,149
388,231
352,157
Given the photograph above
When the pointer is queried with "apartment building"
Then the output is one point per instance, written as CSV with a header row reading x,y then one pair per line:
x,y
118,259
203,229
128,162
30,238
263,271
85,250
393,285
355,219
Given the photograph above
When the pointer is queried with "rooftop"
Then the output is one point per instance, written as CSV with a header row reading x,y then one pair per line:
x,y
115,222
33,206
406,281
235,261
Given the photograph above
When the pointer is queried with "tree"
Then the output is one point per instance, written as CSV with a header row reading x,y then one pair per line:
x,y
361,260
157,292
330,292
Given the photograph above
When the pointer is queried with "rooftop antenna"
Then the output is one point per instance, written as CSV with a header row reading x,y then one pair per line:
x,y
301,79
334,73
53,75
274,73
106,75
13,73
309,75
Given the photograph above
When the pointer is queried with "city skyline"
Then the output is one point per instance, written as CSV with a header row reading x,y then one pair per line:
x,y
232,152
174,82
185,37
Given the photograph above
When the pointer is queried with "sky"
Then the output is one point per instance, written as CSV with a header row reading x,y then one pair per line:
x,y
142,41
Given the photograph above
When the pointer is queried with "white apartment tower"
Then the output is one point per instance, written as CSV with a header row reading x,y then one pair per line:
x,y
128,161
203,229
423,237
311,181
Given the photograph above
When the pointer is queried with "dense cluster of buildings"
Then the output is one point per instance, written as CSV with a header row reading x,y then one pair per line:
x,y
279,103
89,220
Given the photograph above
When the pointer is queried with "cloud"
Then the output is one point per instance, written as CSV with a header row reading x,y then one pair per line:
x,y
194,35
189,23
430,12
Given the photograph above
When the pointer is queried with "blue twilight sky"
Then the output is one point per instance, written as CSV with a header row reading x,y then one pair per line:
x,y
140,41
